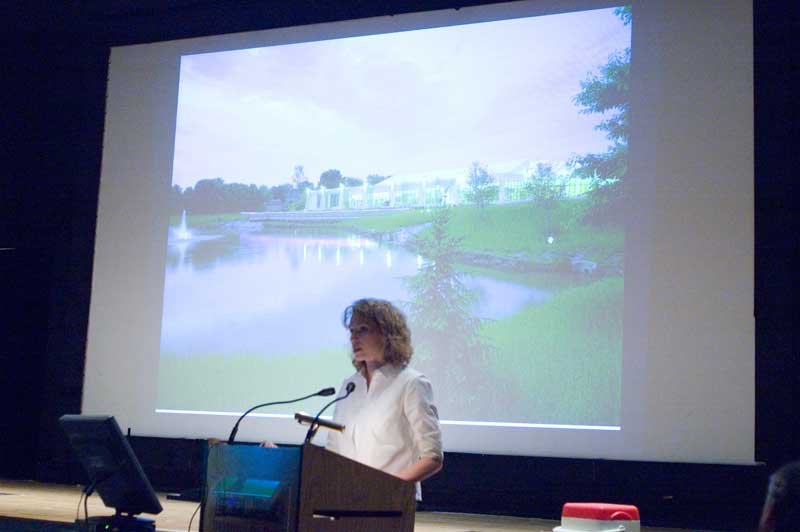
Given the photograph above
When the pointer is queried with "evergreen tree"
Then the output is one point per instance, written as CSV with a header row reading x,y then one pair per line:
x,y
608,92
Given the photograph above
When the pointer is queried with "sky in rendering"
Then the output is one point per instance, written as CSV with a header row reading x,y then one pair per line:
x,y
394,103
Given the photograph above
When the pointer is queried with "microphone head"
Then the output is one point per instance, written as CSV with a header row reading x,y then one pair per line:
x,y
350,387
326,392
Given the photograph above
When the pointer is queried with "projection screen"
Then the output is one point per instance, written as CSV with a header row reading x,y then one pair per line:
x,y
559,195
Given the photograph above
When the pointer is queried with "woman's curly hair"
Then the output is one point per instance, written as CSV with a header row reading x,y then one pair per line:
x,y
391,323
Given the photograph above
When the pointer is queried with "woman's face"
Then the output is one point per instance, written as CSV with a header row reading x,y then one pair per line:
x,y
366,340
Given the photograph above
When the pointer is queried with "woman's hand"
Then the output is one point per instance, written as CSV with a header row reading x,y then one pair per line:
x,y
424,468
268,445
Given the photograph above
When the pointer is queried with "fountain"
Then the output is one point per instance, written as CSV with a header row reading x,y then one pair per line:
x,y
182,232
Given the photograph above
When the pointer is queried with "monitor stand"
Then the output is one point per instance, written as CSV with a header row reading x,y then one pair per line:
x,y
118,522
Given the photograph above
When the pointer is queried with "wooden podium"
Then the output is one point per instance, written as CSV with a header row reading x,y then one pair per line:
x,y
300,489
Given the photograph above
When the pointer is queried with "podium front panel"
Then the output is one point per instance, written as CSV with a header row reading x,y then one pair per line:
x,y
341,495
249,488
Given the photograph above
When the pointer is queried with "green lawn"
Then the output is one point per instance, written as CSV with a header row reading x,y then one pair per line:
x,y
383,223
213,381
523,228
507,230
561,360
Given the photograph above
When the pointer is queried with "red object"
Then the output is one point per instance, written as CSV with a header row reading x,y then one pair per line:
x,y
601,511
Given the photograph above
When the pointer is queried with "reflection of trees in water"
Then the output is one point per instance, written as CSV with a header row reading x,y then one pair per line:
x,y
202,255
230,249
447,339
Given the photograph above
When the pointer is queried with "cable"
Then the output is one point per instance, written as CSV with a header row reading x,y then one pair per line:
x,y
192,518
86,512
78,509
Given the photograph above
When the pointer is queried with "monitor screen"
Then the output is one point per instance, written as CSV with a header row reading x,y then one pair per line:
x,y
110,463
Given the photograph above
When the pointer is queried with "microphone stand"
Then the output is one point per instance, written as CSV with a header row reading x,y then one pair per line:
x,y
312,430
324,392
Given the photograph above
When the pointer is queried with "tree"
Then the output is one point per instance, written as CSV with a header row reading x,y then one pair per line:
x,y
212,196
547,190
544,186
374,179
352,181
447,333
264,193
298,175
481,185
330,178
240,197
208,196
607,92
176,204
281,192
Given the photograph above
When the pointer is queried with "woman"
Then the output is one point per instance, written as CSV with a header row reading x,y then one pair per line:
x,y
391,422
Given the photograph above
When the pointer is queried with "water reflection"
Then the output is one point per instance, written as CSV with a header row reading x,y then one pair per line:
x,y
261,292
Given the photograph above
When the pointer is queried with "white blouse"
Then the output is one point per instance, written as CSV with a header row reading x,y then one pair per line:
x,y
391,425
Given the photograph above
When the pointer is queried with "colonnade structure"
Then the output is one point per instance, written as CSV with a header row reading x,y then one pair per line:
x,y
510,182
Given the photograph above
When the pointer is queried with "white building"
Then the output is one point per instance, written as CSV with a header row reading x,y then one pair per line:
x,y
442,187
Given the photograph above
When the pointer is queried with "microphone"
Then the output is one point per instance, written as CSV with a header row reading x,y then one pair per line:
x,y
317,422
307,419
324,392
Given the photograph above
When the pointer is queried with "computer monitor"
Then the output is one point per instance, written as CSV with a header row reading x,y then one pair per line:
x,y
113,468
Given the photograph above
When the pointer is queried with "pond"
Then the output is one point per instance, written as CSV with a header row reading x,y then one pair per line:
x,y
283,292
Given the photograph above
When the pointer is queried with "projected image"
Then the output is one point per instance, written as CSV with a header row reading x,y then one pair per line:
x,y
474,175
